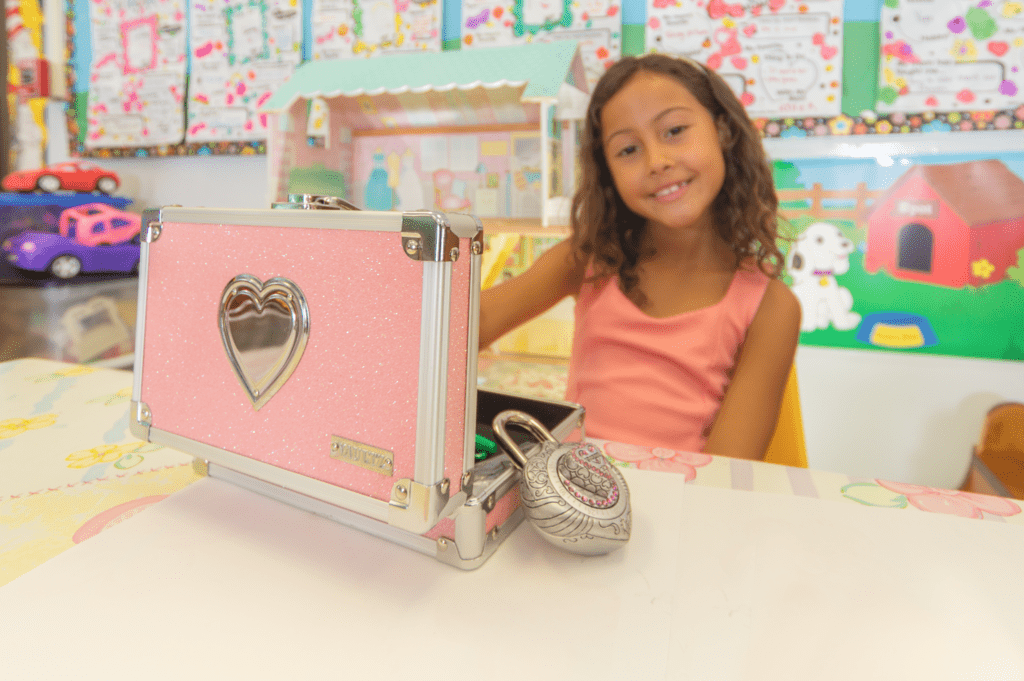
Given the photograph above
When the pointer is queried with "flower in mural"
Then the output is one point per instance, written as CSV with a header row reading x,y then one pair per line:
x,y
883,127
950,502
982,268
11,427
103,454
658,458
841,125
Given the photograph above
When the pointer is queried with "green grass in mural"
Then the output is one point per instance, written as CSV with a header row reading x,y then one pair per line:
x,y
985,322
317,180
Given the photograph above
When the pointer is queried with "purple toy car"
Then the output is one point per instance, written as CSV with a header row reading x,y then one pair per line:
x,y
64,258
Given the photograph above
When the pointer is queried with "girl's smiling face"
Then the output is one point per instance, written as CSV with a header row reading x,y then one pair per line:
x,y
663,151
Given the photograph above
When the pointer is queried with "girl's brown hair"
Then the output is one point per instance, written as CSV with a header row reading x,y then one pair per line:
x,y
606,233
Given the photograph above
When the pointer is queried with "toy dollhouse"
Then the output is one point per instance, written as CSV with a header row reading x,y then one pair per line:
x,y
489,132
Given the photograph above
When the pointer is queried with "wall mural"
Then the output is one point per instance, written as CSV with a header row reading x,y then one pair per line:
x,y
921,255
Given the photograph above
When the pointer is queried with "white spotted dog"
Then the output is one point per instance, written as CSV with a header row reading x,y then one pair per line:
x,y
814,260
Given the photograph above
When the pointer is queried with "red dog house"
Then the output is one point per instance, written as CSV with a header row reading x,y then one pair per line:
x,y
949,225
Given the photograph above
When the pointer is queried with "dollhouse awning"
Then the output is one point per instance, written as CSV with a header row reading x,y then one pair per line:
x,y
453,88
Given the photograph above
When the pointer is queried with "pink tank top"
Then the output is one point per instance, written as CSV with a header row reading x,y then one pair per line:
x,y
657,382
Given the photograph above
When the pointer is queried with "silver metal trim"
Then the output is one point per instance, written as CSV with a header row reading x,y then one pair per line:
x,y
415,507
301,484
369,221
148,216
340,514
473,349
432,391
278,290
428,236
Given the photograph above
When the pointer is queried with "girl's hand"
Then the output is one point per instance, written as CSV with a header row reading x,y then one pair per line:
x,y
746,421
553,276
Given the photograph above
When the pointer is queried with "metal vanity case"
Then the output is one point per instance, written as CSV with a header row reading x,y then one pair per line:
x,y
327,358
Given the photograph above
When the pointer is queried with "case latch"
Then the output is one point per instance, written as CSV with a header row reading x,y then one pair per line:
x,y
428,236
315,202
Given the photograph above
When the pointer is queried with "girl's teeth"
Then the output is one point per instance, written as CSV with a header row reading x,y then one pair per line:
x,y
667,190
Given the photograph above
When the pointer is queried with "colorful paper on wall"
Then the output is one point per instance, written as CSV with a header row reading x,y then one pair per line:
x,y
782,58
241,52
595,24
137,75
950,55
350,28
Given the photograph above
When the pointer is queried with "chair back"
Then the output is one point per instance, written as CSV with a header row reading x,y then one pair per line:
x,y
787,445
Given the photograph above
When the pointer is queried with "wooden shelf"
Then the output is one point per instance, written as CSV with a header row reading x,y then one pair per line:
x,y
528,226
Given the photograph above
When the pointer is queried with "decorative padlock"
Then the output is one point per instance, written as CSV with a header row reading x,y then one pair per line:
x,y
570,493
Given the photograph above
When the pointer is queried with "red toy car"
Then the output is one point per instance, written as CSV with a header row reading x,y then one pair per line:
x,y
78,176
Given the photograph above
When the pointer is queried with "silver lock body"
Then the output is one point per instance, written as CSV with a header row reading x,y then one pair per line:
x,y
570,493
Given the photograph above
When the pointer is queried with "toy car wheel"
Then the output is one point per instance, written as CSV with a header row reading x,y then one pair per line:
x,y
106,184
65,266
48,183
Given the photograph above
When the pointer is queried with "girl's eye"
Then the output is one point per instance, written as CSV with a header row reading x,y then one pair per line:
x,y
626,151
675,130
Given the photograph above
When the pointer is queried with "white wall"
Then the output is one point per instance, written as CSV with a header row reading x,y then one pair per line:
x,y
195,181
903,417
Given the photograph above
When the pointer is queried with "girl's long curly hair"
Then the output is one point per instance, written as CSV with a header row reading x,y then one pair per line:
x,y
610,236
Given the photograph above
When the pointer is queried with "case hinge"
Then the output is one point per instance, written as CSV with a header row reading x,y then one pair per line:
x,y
427,236
416,507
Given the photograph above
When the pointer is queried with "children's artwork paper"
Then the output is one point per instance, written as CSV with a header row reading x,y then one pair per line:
x,y
782,58
137,75
241,52
353,28
595,24
950,55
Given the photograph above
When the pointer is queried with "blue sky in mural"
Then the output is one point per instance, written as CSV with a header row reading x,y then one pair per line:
x,y
835,173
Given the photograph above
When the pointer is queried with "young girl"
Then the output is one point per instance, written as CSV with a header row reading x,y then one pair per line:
x,y
684,336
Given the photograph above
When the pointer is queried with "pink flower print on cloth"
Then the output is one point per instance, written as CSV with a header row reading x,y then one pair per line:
x,y
658,458
952,502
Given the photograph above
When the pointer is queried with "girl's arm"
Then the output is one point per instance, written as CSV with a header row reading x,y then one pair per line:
x,y
746,421
551,278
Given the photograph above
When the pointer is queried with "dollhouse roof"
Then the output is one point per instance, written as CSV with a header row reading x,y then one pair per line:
x,y
497,80
980,192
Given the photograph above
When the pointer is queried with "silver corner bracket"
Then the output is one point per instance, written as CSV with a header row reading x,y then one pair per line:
x,y
152,225
140,420
428,236
450,552
416,507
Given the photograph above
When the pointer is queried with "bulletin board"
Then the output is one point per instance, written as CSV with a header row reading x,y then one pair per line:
x,y
804,68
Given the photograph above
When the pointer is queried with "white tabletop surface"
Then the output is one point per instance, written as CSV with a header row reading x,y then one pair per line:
x,y
218,582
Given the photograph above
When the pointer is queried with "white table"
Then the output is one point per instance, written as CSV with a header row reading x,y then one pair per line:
x,y
216,582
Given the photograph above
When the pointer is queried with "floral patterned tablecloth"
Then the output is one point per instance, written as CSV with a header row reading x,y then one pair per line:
x,y
69,467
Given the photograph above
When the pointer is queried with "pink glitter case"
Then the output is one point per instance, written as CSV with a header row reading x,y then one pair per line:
x,y
327,358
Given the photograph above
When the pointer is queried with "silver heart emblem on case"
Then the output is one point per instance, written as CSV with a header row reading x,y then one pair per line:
x,y
264,327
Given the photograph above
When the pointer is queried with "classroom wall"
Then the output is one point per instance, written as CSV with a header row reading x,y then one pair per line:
x,y
897,416
911,418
